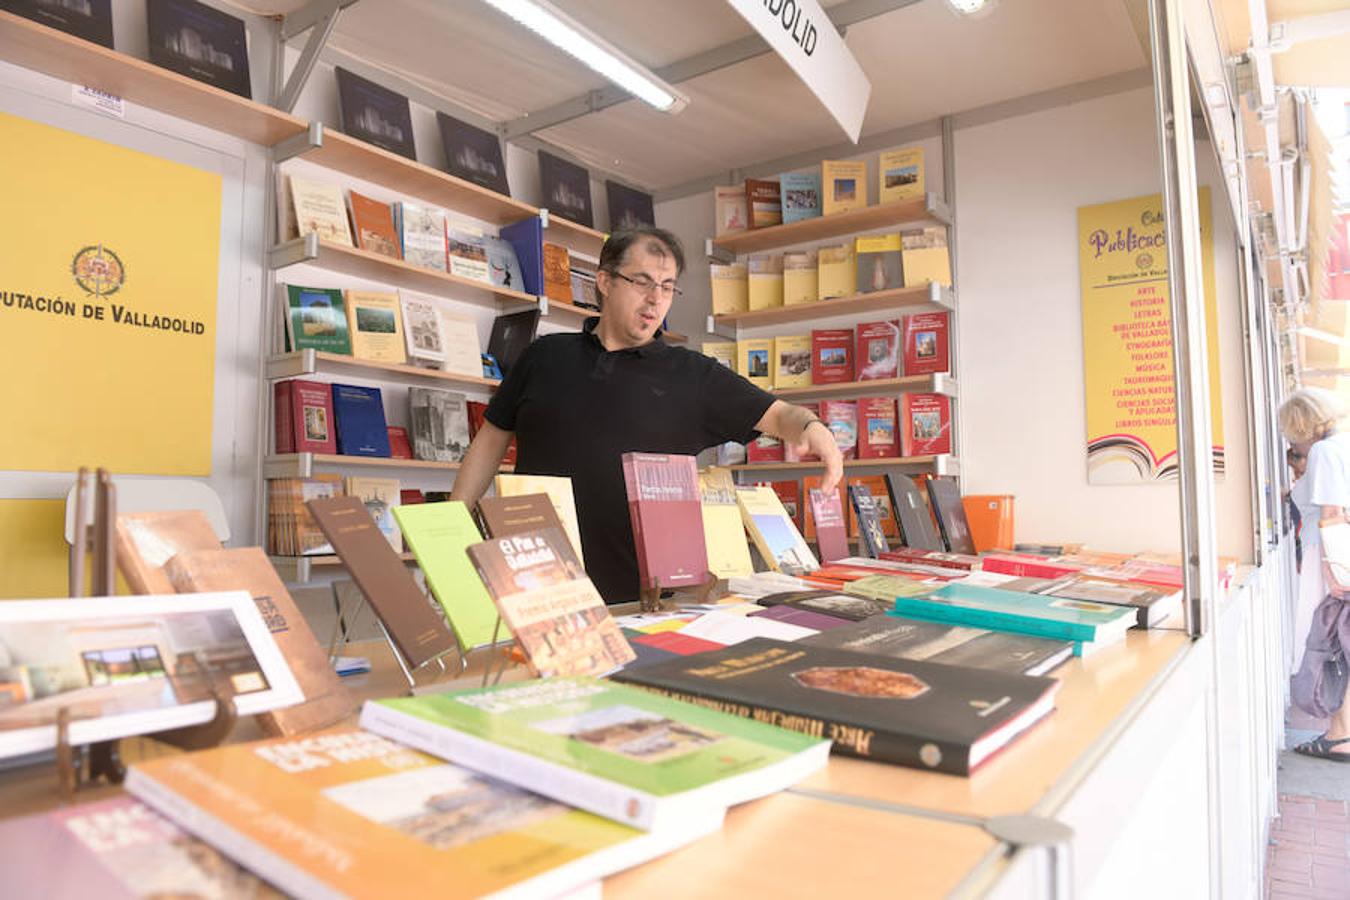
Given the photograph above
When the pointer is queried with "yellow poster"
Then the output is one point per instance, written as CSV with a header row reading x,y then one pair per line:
x,y
1127,341
108,288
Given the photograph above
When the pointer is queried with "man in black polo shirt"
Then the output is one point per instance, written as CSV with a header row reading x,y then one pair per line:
x,y
577,402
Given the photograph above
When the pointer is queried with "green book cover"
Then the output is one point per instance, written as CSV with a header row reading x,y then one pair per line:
x,y
318,320
437,534
619,751
887,587
983,607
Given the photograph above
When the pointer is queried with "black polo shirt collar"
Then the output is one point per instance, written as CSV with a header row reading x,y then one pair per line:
x,y
656,345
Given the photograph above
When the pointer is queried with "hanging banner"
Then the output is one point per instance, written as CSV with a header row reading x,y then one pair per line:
x,y
801,33
109,264
1127,341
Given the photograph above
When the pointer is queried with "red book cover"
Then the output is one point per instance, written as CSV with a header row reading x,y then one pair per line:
x,y
674,642
666,508
810,483
926,343
955,561
791,455
283,432
878,350
306,424
876,428
842,417
399,447
765,448
408,496
477,411
831,355
1026,566
925,424
790,495
827,511
876,484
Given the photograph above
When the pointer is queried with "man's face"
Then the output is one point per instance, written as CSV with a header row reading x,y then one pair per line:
x,y
631,314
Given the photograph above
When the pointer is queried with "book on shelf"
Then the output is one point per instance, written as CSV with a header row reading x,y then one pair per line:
x,y
792,361
775,536
613,749
877,438
628,207
926,343
503,267
827,519
925,257
559,491
400,447
348,813
327,701
373,222
666,512
907,712
800,192
879,263
477,417
843,185
511,334
316,319
869,522
791,453
925,424
418,631
361,427
381,497
945,498
835,272
90,20
952,645
727,628
841,417
731,210
832,356
374,114
730,288
117,848
557,273
460,344
319,209
566,189
990,517
764,281
764,449
878,350
303,417
195,40
466,252
801,278
291,530
723,534
789,493
559,620
440,424
584,291
438,534
754,363
473,154
900,174
421,231
144,541
1082,621
722,351
376,326
526,237
1152,604
422,333
764,202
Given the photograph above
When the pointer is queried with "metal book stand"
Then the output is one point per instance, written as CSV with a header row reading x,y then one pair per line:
x,y
341,637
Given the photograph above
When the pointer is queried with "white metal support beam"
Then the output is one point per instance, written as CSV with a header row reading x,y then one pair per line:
x,y
320,18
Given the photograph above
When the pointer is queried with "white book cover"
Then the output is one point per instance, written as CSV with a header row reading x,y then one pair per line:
x,y
423,234
729,628
422,331
320,208
463,349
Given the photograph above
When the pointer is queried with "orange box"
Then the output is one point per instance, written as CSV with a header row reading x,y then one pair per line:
x,y
990,517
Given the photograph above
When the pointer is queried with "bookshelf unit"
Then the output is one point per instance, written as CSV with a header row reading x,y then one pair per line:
x,y
311,362
902,214
939,464
575,237
908,384
928,297
304,465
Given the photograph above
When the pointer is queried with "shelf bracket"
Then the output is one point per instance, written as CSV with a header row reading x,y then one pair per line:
x,y
298,144
941,295
320,18
543,305
714,327
937,208
543,218
716,253
293,252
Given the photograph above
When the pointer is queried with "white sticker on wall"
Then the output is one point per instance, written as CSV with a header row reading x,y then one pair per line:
x,y
102,101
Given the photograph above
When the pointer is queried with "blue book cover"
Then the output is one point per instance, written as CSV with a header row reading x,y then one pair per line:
x,y
527,238
361,429
1054,617
801,195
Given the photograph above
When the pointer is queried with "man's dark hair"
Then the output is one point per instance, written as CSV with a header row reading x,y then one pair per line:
x,y
649,237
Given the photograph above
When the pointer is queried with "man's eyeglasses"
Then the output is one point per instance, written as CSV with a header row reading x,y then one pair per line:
x,y
647,286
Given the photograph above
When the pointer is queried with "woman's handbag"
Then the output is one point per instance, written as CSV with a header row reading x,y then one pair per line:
x,y
1319,686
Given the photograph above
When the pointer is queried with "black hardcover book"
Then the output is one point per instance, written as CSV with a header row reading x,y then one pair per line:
x,y
951,515
831,603
195,40
566,189
953,645
914,713
511,334
911,512
375,114
628,208
473,154
87,19
869,520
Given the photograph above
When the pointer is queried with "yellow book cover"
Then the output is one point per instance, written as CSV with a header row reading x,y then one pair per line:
x,y
753,361
320,208
837,272
345,812
559,490
722,351
766,281
900,173
792,361
770,527
801,278
925,257
376,326
730,288
843,185
723,532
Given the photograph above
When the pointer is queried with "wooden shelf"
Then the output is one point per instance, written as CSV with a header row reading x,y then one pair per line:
x,y
302,465
927,210
941,464
308,362
582,313
909,384
572,235
674,337
31,45
929,296
394,272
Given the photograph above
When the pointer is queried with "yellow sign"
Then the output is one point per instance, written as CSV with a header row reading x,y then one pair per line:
x,y
1127,341
108,288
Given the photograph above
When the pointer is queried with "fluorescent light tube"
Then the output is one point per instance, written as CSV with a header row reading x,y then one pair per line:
x,y
557,28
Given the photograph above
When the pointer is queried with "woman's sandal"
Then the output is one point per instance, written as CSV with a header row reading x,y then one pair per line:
x,y
1321,748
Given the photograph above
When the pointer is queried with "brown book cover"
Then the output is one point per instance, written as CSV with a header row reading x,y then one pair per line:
x,y
374,226
557,273
763,202
145,541
504,516
327,700
418,631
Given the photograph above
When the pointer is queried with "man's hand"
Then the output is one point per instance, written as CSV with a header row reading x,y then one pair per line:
x,y
818,439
